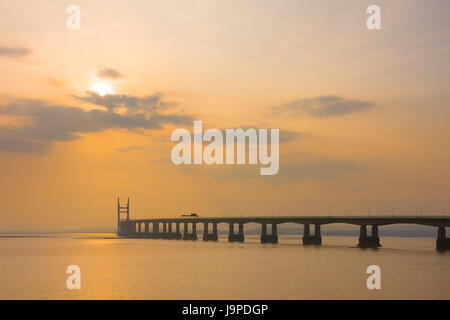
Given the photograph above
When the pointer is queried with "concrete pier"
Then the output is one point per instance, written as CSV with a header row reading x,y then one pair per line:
x,y
372,241
210,236
187,235
269,238
309,239
236,237
168,233
442,242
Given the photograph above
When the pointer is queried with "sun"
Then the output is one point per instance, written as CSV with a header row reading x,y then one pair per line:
x,y
102,88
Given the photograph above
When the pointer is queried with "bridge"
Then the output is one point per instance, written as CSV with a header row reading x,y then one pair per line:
x,y
171,227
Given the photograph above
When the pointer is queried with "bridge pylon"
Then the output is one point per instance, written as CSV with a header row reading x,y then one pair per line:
x,y
123,225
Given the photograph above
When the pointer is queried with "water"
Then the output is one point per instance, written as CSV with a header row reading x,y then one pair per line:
x,y
114,268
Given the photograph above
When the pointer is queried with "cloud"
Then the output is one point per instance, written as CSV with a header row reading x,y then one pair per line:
x,y
323,106
300,165
289,135
14,52
65,123
129,148
12,142
293,167
55,82
132,103
103,71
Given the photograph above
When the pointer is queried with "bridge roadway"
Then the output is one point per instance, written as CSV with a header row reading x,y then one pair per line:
x,y
140,228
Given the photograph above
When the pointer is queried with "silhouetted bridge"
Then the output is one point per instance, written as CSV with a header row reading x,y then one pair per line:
x,y
171,227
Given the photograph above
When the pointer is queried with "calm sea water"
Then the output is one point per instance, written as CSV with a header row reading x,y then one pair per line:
x,y
114,268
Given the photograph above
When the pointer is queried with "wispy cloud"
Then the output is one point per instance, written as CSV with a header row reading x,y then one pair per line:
x,y
132,103
293,167
55,82
323,106
64,123
129,148
104,71
14,52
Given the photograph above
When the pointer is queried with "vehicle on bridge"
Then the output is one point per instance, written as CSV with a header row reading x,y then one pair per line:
x,y
192,215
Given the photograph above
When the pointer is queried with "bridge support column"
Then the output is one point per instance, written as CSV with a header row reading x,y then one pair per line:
x,y
210,236
372,241
146,227
168,232
309,239
269,238
442,242
125,228
236,237
139,227
187,235
177,234
174,235
155,233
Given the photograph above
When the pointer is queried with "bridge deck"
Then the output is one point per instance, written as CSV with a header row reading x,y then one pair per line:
x,y
438,221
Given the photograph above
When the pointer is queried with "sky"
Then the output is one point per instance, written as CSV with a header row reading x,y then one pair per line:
x,y
86,115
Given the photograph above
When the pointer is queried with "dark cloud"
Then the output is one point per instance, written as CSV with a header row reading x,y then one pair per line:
x,y
14,52
64,123
132,103
104,71
13,142
293,167
323,106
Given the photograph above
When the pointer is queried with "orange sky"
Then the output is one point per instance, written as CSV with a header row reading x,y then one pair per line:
x,y
364,114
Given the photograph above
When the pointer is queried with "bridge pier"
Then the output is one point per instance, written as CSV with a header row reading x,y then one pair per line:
x,y
372,241
442,242
177,234
169,234
236,237
210,236
155,233
187,235
126,228
269,238
309,239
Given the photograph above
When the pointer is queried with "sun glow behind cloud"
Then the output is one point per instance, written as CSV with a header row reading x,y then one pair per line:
x,y
102,88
